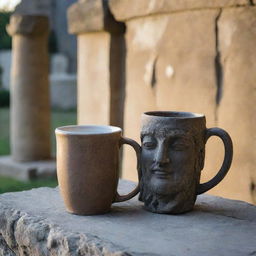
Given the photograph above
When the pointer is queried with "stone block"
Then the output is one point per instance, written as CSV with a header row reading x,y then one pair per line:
x,y
236,111
27,170
93,81
59,64
100,78
170,66
217,226
63,91
128,9
28,25
91,16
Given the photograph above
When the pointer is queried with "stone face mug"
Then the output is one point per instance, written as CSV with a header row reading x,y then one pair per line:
x,y
88,167
172,157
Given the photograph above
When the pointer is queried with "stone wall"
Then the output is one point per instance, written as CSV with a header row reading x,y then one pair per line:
x,y
194,56
189,56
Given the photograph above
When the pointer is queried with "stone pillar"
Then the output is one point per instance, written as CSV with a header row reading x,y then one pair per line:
x,y
194,56
101,51
30,112
30,106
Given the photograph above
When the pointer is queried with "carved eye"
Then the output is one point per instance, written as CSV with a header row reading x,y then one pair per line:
x,y
180,145
149,143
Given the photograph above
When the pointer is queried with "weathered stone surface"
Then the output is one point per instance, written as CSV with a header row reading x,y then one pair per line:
x,y
217,226
129,9
93,78
30,103
91,16
236,112
27,170
28,25
100,78
170,66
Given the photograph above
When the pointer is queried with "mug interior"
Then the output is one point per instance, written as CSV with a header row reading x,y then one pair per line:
x,y
174,114
87,129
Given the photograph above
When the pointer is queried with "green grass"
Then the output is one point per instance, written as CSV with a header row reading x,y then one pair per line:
x,y
4,131
58,118
10,185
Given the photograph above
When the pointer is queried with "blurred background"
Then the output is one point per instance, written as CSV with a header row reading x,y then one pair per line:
x,y
112,60
62,52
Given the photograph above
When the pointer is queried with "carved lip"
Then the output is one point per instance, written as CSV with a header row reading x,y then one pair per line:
x,y
161,173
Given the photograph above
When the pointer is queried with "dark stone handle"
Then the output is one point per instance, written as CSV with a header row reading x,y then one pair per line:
x,y
137,148
227,159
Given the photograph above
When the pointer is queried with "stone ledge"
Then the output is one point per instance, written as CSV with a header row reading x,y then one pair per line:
x,y
128,9
35,223
92,16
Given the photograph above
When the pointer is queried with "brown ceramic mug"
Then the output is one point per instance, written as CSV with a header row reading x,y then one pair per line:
x,y
88,167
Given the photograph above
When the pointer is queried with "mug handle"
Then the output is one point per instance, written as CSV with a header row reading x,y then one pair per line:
x,y
137,148
224,136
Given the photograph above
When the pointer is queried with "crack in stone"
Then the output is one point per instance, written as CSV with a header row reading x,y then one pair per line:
x,y
218,66
153,78
250,2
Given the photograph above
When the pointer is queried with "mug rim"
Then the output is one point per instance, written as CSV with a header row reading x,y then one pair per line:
x,y
70,130
173,114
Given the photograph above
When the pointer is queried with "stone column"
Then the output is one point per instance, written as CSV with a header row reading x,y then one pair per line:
x,y
30,112
195,56
101,51
30,106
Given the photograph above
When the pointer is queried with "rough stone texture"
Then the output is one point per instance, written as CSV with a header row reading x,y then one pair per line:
x,y
27,170
91,16
93,78
196,56
166,70
236,112
30,103
129,9
28,25
217,226
101,57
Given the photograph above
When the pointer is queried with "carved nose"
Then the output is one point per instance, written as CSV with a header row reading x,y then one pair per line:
x,y
162,156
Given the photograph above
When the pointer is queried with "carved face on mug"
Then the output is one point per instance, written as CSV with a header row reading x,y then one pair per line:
x,y
170,169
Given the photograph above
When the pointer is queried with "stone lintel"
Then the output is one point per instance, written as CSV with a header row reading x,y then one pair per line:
x,y
128,9
28,25
35,223
92,16
26,171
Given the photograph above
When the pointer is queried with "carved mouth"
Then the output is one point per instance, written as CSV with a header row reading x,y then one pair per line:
x,y
161,173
